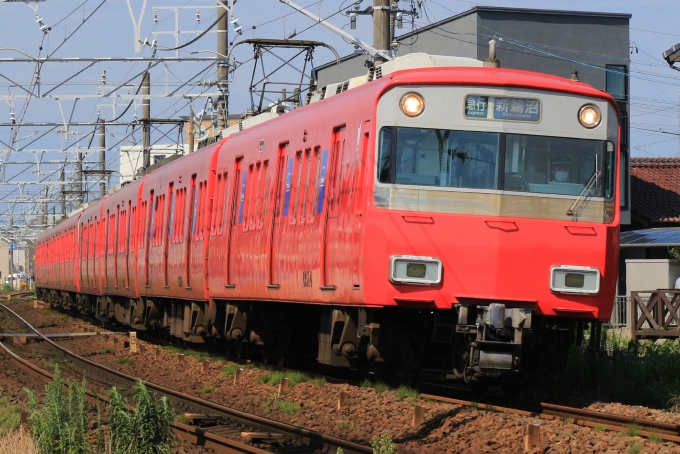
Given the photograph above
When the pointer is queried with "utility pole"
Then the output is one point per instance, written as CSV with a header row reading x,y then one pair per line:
x,y
80,186
44,208
102,157
191,128
146,115
381,28
222,68
63,193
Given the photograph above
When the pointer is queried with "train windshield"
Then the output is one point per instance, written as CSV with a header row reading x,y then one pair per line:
x,y
439,157
558,165
469,159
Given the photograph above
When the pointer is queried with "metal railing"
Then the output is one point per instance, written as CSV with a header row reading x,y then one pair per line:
x,y
620,313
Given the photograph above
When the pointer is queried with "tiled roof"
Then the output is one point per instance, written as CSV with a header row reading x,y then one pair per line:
x,y
655,188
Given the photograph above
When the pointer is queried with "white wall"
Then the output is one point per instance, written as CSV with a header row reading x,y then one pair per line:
x,y
644,275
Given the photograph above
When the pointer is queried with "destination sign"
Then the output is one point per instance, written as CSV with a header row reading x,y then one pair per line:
x,y
502,108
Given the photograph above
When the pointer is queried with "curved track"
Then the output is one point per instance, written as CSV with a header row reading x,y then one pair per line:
x,y
226,428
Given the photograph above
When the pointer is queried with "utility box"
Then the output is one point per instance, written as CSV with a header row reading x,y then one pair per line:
x,y
651,274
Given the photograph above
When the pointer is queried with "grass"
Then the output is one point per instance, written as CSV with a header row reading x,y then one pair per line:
x,y
209,389
106,351
294,378
320,381
403,392
591,375
634,430
52,363
125,361
602,429
265,405
287,407
18,441
10,416
344,424
635,447
230,369
654,436
198,354
181,418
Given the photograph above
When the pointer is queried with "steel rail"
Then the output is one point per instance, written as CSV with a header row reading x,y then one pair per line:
x,y
581,417
207,437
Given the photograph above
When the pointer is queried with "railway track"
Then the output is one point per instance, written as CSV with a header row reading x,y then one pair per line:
x,y
222,429
578,416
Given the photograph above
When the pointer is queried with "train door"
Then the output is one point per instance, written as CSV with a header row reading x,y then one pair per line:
x,y
193,204
147,237
357,211
115,240
331,224
277,215
234,209
168,232
128,234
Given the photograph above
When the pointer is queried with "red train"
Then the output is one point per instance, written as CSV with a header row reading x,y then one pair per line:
x,y
434,216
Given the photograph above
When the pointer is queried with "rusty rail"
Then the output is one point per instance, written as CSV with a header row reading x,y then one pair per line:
x,y
655,316
200,436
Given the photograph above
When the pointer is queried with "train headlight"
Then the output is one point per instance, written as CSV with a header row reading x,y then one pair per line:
x,y
581,280
412,104
409,269
589,116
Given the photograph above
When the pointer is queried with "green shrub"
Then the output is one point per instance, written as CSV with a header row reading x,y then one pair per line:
x,y
147,430
320,381
287,407
60,426
208,389
383,444
10,416
229,370
7,288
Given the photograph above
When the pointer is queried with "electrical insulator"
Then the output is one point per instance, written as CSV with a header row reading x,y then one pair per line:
x,y
198,15
12,117
400,20
103,77
237,27
353,20
155,15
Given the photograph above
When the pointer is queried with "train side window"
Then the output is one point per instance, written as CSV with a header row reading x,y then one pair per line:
x,y
295,186
122,231
216,205
182,216
152,221
221,212
385,159
171,215
314,187
264,187
194,205
257,195
304,193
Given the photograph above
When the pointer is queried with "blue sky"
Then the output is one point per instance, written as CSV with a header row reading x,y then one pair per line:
x,y
109,32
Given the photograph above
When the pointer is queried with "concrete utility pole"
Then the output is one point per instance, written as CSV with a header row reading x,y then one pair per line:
x,y
146,115
102,157
222,68
63,193
191,128
381,28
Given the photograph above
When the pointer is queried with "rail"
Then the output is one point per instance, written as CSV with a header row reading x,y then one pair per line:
x,y
210,437
655,314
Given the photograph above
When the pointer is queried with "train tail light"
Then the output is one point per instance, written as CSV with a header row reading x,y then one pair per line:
x,y
409,269
576,280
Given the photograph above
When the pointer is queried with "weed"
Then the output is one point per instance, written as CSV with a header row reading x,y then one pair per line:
x,y
634,447
209,389
229,370
265,406
602,429
294,377
366,383
146,430
383,444
52,363
634,430
264,379
106,351
381,387
18,441
344,424
403,392
505,415
320,381
287,407
6,288
489,407
34,352
568,420
655,436
60,426
10,416
474,404
125,361
339,451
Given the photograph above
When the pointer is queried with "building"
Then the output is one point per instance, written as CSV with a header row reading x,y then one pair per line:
x,y
655,185
547,41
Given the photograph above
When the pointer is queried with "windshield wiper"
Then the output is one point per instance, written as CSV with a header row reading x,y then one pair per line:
x,y
572,211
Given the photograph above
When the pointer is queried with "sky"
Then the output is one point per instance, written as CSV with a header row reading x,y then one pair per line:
x,y
104,28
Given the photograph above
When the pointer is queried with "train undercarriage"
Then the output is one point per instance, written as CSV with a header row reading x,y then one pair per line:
x,y
476,344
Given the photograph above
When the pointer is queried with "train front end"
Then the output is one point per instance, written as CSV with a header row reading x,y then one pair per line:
x,y
495,202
